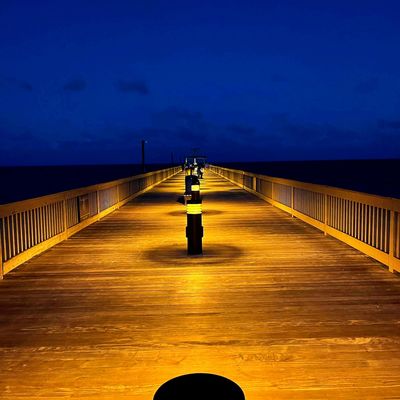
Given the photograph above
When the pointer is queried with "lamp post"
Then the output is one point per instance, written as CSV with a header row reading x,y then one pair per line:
x,y
143,159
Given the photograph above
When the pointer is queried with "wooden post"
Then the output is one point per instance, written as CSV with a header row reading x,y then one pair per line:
x,y
65,217
325,212
292,199
1,249
392,233
98,201
272,191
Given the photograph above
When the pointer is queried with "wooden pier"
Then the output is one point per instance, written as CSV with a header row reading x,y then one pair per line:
x,y
272,304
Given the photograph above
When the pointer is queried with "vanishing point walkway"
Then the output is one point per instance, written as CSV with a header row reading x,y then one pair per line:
x,y
273,304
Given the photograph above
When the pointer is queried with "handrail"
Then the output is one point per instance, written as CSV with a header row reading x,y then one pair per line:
x,y
369,223
29,227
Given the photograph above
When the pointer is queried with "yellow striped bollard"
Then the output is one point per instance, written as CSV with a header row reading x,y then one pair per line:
x,y
194,228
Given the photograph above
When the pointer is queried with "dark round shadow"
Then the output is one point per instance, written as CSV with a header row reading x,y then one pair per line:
x,y
177,256
199,386
212,212
177,213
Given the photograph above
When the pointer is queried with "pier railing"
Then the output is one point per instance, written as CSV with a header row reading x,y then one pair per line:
x,y
366,222
30,227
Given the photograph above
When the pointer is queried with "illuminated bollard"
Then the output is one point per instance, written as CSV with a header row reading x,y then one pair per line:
x,y
196,192
190,180
194,228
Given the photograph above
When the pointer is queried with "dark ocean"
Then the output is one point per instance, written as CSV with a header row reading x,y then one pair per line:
x,y
20,183
381,177
371,176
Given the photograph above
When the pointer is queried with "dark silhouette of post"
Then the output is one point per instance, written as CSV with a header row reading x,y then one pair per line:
x,y
143,159
199,386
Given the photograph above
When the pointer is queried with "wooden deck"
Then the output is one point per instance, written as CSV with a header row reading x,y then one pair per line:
x,y
273,304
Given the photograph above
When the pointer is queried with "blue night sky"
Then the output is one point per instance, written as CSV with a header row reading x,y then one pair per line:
x,y
85,81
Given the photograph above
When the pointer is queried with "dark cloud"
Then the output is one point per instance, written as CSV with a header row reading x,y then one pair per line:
x,y
192,129
19,138
277,78
384,124
321,134
181,120
241,130
156,133
106,133
287,131
24,136
279,118
26,86
304,140
75,85
12,132
16,83
139,87
367,86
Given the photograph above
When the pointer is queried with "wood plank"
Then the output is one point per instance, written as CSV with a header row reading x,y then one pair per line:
x,y
273,304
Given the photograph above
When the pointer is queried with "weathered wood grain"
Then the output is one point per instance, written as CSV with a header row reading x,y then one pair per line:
x,y
273,304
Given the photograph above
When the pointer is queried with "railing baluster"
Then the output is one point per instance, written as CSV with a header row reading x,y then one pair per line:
x,y
25,227
397,234
30,241
392,236
47,222
2,247
14,236
369,211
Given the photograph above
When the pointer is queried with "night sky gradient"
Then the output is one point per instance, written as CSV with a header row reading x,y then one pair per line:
x,y
82,82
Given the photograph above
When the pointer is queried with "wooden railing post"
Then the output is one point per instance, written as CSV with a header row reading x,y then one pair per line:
x,y
292,200
272,190
65,220
1,251
392,232
325,213
98,201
